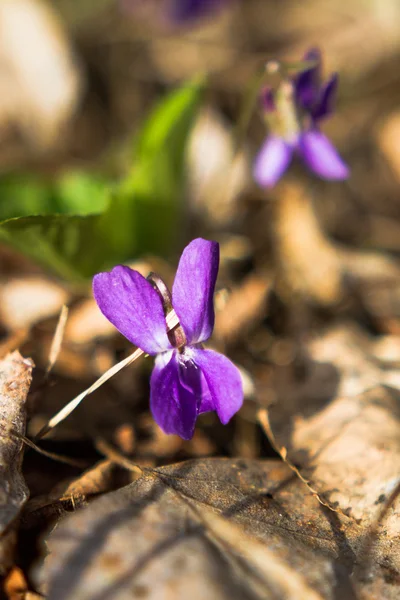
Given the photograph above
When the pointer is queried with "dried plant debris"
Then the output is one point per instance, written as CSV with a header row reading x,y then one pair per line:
x,y
219,528
15,379
103,477
339,423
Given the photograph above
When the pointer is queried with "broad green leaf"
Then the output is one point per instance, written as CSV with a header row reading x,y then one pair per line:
x,y
142,213
146,208
22,195
72,192
77,192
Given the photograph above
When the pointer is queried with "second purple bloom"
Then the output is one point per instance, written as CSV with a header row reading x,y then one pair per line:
x,y
293,112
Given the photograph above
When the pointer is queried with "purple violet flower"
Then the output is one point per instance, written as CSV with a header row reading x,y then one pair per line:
x,y
175,12
187,379
293,112
183,11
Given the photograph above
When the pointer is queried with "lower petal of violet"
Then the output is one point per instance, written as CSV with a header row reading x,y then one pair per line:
x,y
224,383
321,156
174,393
272,161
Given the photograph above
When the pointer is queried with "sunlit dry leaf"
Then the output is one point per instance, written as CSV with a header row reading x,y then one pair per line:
x,y
217,173
159,536
39,81
387,138
340,422
103,477
376,277
45,299
15,585
310,264
15,379
245,307
219,528
86,323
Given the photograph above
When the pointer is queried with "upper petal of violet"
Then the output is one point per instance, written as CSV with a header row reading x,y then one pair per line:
x,y
193,289
224,383
325,105
130,302
307,83
321,156
272,161
174,394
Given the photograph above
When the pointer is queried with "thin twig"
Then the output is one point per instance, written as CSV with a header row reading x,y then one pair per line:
x,y
57,340
263,419
70,407
172,322
58,457
116,457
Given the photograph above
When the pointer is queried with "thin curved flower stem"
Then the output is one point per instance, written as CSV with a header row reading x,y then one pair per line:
x,y
172,322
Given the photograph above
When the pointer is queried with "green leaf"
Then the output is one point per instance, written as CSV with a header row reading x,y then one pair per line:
x,y
77,192
146,209
23,194
142,213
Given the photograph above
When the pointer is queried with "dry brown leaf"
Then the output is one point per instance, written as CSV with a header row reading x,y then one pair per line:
x,y
39,81
87,323
340,423
310,264
103,477
387,139
217,174
15,586
15,379
46,299
245,307
158,535
219,528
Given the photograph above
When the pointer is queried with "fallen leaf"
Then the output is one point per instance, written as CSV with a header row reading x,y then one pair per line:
x,y
339,422
46,299
103,477
310,263
218,528
15,586
15,379
40,82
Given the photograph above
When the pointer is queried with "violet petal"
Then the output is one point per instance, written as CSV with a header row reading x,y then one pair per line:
x,y
182,11
321,156
223,380
307,83
133,306
325,104
174,394
193,289
272,161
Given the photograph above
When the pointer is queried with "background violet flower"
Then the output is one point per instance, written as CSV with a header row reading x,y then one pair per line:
x,y
187,380
176,12
293,112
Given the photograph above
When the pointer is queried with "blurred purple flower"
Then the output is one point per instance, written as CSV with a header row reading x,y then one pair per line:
x,y
175,12
187,380
294,111
182,11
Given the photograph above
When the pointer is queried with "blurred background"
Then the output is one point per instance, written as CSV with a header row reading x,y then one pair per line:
x,y
122,137
120,140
